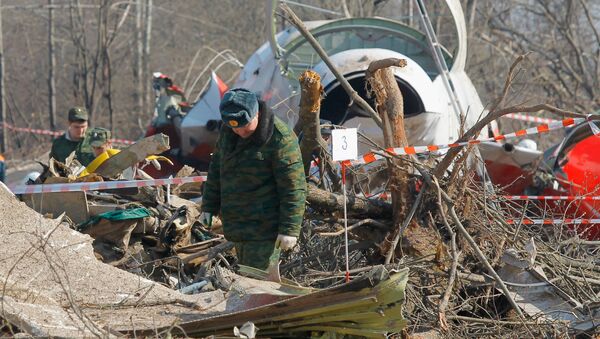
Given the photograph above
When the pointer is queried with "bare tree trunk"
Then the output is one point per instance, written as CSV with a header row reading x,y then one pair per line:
x,y
138,63
3,112
411,13
88,62
51,68
106,69
472,5
345,9
146,57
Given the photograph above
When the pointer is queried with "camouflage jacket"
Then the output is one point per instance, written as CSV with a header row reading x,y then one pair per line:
x,y
63,147
257,184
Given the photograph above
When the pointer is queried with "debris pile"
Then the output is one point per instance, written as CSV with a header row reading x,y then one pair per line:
x,y
151,230
448,263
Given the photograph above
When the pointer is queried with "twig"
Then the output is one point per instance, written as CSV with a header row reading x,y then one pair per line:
x,y
473,244
356,225
455,255
484,260
495,321
411,213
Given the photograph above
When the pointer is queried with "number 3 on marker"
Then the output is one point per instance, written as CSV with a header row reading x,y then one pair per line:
x,y
344,143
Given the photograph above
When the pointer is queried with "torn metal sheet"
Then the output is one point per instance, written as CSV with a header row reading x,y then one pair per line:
x,y
132,155
539,297
369,306
74,204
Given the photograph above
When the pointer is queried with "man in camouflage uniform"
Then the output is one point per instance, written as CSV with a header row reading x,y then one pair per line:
x,y
255,180
99,139
74,139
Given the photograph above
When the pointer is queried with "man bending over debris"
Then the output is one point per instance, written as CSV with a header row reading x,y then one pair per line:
x,y
74,139
255,180
100,140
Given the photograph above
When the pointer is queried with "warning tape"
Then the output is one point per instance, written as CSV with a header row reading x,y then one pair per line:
x,y
552,221
97,186
544,128
550,197
56,134
122,141
529,118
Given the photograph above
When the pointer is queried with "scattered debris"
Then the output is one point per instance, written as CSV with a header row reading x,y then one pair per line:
x,y
440,260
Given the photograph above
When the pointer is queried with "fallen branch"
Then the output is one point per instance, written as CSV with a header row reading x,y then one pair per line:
x,y
455,255
323,55
356,225
329,202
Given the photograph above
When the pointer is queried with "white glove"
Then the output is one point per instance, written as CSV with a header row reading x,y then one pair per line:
x,y
285,242
206,219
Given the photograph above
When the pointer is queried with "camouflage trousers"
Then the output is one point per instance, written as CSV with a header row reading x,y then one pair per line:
x,y
254,253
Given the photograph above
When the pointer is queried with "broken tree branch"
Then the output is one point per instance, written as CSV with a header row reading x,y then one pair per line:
x,y
495,114
356,225
323,55
330,202
455,255
390,105
310,106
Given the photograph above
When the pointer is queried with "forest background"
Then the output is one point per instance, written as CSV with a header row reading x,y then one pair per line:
x,y
101,53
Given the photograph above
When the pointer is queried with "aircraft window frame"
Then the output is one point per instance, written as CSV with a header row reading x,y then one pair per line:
x,y
386,29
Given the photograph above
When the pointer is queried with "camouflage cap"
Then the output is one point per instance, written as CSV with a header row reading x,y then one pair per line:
x,y
238,107
99,136
78,114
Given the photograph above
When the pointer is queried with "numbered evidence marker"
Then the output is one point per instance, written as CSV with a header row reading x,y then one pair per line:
x,y
344,144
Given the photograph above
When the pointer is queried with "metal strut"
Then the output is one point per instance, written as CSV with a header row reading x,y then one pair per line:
x,y
440,62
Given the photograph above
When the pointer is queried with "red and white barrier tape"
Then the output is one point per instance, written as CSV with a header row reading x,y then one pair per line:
x,y
97,186
552,221
529,118
122,141
544,128
550,197
56,134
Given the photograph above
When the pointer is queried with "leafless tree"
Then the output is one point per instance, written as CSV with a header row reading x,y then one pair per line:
x,y
564,38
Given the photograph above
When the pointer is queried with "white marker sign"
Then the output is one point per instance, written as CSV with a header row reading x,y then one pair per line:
x,y
344,144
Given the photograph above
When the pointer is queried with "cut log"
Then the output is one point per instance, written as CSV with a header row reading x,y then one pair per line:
x,y
329,202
